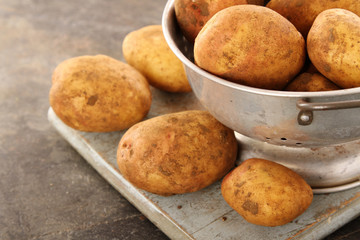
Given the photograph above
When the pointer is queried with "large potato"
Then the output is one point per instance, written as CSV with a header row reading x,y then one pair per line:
x,y
302,13
250,45
177,153
99,94
311,82
266,193
333,46
146,50
192,15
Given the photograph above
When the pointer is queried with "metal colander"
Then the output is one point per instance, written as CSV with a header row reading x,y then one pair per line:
x,y
277,117
317,134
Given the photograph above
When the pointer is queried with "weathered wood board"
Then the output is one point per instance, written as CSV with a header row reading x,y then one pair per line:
x,y
203,214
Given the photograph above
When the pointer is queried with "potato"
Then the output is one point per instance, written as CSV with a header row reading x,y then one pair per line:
x,y
266,193
250,45
192,15
302,13
99,94
333,46
147,51
177,153
311,82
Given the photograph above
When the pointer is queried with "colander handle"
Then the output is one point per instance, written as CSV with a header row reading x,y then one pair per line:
x,y
305,115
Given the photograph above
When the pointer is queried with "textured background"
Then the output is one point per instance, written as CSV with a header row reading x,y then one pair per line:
x,y
47,190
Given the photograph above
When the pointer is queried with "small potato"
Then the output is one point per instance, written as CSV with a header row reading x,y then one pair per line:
x,y
99,94
311,82
147,51
266,193
192,15
302,13
250,45
333,46
177,153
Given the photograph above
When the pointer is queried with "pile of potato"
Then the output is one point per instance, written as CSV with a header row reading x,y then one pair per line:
x,y
270,46
169,154
285,45
102,94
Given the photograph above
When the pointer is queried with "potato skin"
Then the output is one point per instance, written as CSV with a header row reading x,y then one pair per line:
x,y
266,193
302,13
192,15
146,50
99,94
177,153
311,82
250,45
333,46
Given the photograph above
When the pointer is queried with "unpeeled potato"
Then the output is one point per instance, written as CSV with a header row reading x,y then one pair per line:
x,y
146,50
333,46
99,94
311,82
266,193
177,153
192,15
250,45
302,13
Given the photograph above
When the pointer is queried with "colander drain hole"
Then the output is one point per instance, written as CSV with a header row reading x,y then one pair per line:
x,y
282,139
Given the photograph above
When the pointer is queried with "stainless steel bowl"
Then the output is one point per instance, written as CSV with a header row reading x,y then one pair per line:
x,y
300,119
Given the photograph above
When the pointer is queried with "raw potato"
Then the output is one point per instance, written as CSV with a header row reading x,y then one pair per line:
x,y
302,13
311,82
333,46
99,94
147,51
251,45
266,193
177,153
192,15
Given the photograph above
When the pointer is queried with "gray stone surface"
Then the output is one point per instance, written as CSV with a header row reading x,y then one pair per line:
x,y
48,191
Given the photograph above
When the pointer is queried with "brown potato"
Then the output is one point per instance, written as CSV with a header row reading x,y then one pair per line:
x,y
99,94
311,82
177,153
147,51
251,45
333,46
302,13
266,193
192,15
